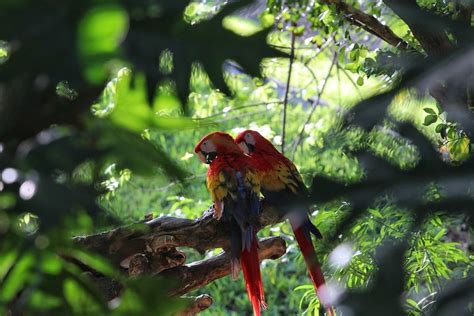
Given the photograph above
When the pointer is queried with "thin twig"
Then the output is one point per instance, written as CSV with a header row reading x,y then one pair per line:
x,y
240,108
313,108
350,79
285,101
315,78
289,47
242,115
338,84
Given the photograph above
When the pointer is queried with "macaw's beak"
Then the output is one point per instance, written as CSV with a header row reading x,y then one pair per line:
x,y
207,158
246,147
243,146
210,157
250,147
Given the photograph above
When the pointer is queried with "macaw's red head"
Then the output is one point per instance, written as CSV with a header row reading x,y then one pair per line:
x,y
252,141
215,144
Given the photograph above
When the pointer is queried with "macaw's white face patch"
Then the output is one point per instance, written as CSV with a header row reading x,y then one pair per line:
x,y
244,147
208,147
201,157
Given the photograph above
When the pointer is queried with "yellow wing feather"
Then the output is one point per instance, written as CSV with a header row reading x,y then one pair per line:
x,y
281,177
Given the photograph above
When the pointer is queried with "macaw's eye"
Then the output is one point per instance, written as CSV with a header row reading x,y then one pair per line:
x,y
204,145
247,135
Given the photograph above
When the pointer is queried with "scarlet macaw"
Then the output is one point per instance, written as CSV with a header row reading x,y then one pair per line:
x,y
235,189
282,186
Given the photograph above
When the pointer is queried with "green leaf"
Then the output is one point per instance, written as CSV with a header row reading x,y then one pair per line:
x,y
430,119
241,26
459,148
79,298
64,90
126,106
299,30
439,128
440,234
412,304
206,42
100,32
267,19
376,213
20,274
429,111
3,51
341,55
452,132
354,55
360,81
42,301
352,67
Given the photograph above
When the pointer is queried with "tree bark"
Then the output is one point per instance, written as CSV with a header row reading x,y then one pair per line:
x,y
149,248
369,23
196,305
431,35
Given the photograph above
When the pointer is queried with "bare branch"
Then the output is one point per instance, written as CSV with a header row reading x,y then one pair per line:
x,y
369,23
313,108
201,273
287,91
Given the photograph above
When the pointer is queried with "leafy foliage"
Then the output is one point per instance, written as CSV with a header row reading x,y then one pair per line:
x,y
87,142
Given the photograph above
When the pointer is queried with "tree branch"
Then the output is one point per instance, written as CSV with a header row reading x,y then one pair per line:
x,y
199,274
428,32
464,10
152,236
195,275
196,304
287,91
149,248
368,23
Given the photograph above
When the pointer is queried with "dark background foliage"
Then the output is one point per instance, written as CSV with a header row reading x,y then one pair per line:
x,y
74,128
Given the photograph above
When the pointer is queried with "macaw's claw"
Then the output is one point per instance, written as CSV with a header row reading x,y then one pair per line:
x,y
217,211
235,269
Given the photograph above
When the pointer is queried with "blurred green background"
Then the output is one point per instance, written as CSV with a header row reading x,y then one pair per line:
x,y
130,150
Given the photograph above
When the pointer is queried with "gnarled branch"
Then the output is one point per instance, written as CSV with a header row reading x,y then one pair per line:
x,y
201,273
202,234
149,248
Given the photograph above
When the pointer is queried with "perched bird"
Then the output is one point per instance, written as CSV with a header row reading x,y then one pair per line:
x,y
235,191
282,186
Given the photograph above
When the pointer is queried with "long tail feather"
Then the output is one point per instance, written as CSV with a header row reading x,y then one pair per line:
x,y
253,277
303,237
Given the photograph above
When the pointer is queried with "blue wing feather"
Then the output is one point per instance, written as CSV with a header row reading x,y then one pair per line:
x,y
243,206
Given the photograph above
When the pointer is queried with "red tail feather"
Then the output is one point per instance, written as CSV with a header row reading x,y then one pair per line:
x,y
312,262
253,277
